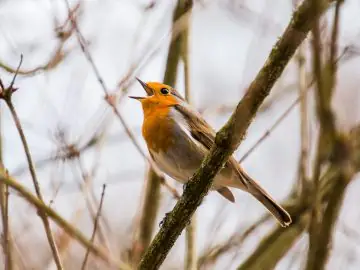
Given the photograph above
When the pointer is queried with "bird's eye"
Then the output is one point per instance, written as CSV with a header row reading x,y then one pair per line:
x,y
164,91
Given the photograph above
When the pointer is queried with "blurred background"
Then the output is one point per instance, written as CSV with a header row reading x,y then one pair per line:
x,y
78,144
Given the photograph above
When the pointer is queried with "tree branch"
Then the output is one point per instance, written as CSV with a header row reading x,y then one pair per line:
x,y
72,231
230,136
330,182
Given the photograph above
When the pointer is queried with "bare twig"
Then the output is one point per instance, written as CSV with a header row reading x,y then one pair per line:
x,y
72,231
211,255
271,129
6,236
96,221
331,147
190,233
191,250
109,98
274,246
304,131
147,222
308,84
58,55
4,205
6,95
90,200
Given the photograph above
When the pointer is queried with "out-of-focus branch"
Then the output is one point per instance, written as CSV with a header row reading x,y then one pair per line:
x,y
63,34
152,192
178,27
331,180
6,95
149,211
304,124
191,252
274,246
230,136
330,216
331,147
4,206
190,233
57,57
211,255
96,222
109,98
90,200
62,223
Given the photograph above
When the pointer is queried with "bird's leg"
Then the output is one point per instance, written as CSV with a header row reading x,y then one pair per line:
x,y
164,219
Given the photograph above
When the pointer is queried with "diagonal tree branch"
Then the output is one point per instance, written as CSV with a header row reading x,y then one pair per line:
x,y
230,136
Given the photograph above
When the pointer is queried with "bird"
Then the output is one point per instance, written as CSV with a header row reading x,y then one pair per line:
x,y
178,138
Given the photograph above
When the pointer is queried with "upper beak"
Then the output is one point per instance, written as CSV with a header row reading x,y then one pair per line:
x,y
147,89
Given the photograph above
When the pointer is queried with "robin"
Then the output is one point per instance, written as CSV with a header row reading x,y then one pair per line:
x,y
178,139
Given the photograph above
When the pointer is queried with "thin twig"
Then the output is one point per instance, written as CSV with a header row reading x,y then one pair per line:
x,y
96,221
4,205
90,200
309,84
6,95
270,130
57,57
331,148
211,255
304,128
274,246
190,233
61,222
109,98
147,221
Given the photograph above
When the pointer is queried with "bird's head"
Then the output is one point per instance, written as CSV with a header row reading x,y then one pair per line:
x,y
158,96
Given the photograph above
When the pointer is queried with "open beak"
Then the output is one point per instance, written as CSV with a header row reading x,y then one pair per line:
x,y
147,89
137,98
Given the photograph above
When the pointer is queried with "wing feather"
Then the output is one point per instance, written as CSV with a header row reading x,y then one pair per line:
x,y
205,134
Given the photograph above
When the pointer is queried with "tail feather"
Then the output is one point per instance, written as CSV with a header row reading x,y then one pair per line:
x,y
262,196
226,193
275,209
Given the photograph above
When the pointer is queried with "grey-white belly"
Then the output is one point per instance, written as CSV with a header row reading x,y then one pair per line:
x,y
183,158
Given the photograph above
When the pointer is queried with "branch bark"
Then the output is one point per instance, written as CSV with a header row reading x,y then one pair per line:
x,y
230,136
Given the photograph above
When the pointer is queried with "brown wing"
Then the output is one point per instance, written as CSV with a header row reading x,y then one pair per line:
x,y
205,134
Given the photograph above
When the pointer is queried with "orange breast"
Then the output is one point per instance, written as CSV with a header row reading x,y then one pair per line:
x,y
157,129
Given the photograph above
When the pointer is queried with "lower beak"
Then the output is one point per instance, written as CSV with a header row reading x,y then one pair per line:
x,y
137,98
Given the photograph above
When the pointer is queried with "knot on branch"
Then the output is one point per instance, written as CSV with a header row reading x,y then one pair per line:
x,y
223,140
111,99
